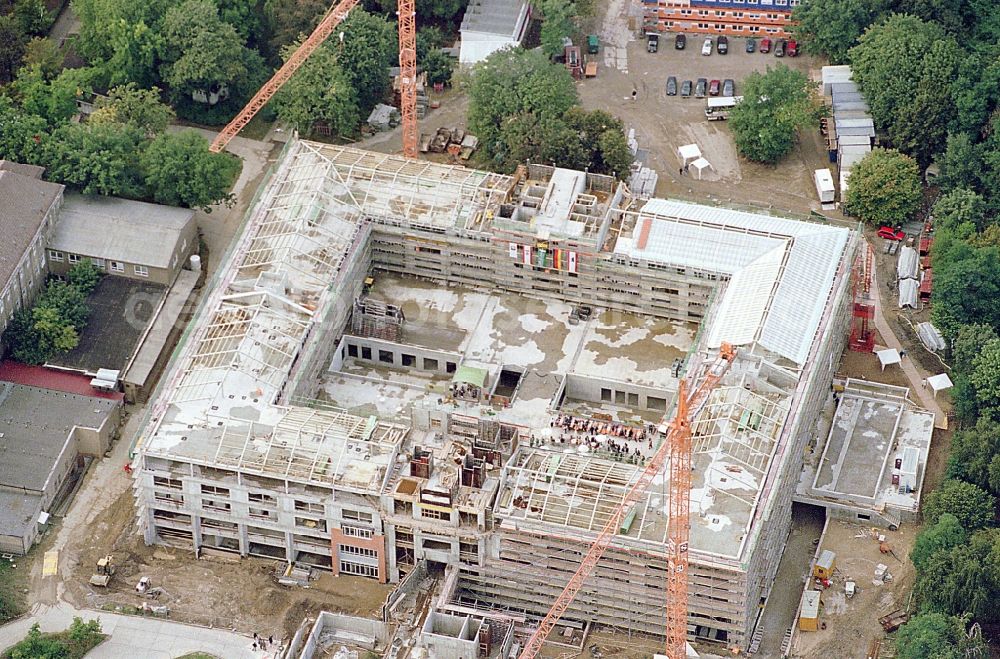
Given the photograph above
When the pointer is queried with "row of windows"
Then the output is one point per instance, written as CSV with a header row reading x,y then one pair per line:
x,y
112,266
347,567
357,551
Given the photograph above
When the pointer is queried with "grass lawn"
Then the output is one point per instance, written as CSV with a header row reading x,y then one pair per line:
x,y
11,591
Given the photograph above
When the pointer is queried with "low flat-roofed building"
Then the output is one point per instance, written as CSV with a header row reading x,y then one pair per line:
x,y
123,237
29,208
43,433
489,25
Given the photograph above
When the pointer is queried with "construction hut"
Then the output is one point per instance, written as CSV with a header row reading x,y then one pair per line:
x,y
809,611
468,383
825,565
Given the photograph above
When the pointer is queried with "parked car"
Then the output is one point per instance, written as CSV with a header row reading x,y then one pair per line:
x,y
751,45
779,48
652,43
891,233
729,87
714,87
793,48
680,42
686,88
722,45
706,48
765,45
672,86
701,88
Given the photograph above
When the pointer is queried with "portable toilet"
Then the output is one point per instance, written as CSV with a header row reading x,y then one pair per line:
x,y
809,611
593,45
824,566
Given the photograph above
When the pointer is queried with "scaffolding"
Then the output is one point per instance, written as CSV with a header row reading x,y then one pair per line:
x,y
377,319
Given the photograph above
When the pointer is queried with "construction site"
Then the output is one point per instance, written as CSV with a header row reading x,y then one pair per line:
x,y
408,370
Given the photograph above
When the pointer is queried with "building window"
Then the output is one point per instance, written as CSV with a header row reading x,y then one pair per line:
x,y
386,357
97,263
258,497
366,352
356,515
356,532
352,350
141,270
117,266
435,514
358,551
160,481
347,567
55,255
606,395
430,364
73,258
260,513
308,507
217,491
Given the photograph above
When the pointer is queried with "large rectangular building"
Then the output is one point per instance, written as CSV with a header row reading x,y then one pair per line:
x,y
737,18
406,364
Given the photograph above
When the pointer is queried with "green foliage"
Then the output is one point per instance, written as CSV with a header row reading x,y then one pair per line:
x,y
44,54
99,18
11,593
73,643
367,51
286,20
903,67
429,38
960,210
438,66
510,83
831,27
936,636
320,91
776,104
972,505
134,56
33,18
884,188
84,276
20,133
55,99
140,108
975,455
942,536
963,579
96,158
985,378
558,24
966,285
12,43
181,171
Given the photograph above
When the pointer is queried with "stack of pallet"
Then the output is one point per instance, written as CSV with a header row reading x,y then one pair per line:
x,y
422,101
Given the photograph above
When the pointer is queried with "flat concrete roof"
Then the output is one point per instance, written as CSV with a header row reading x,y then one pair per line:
x,y
18,512
35,427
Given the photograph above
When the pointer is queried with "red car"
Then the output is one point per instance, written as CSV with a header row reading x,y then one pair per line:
x,y
713,88
765,45
891,233
793,48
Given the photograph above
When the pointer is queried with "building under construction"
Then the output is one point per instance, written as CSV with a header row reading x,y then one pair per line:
x,y
409,365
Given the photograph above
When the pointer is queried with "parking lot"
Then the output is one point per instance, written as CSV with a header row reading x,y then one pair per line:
x,y
663,123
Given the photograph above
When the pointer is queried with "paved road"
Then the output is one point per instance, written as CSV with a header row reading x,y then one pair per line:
x,y
135,637
66,24
913,372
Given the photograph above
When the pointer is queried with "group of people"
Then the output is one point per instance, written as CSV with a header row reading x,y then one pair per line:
x,y
261,642
620,441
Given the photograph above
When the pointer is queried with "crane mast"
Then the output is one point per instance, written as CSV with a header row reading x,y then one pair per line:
x,y
677,446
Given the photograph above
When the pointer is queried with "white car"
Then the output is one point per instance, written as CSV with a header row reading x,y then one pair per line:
x,y
706,48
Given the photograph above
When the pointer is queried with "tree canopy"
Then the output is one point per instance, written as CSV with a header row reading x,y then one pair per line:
x,y
132,106
832,27
775,105
937,636
970,504
180,171
884,188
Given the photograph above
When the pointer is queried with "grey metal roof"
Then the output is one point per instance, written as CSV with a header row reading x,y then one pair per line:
x,y
33,171
35,425
120,229
18,512
24,201
492,16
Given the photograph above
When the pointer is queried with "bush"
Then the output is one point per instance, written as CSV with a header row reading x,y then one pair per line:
x,y
884,188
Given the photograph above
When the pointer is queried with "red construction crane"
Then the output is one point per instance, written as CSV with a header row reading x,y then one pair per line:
x,y
862,338
678,446
407,64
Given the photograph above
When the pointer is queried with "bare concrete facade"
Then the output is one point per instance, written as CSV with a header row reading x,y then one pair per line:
x,y
431,428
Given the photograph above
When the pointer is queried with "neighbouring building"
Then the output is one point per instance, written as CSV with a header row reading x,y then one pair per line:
x,y
386,376
29,209
122,237
738,18
490,25
44,435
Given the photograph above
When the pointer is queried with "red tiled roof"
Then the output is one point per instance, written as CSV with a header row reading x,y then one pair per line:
x,y
47,378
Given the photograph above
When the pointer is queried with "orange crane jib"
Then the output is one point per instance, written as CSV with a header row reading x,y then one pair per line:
x,y
677,445
407,65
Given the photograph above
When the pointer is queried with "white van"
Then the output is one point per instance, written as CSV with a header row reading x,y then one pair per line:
x,y
706,48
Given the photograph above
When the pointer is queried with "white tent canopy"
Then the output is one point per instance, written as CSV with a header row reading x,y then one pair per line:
x,y
701,165
888,357
908,289
689,153
939,382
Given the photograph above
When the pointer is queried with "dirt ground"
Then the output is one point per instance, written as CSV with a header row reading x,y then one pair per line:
x,y
851,624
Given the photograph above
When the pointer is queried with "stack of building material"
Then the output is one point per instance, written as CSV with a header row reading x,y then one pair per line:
x,y
853,128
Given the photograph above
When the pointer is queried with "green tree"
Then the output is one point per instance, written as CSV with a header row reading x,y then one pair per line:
x,y
961,209
603,139
96,158
37,645
286,20
44,54
963,579
936,636
884,188
831,27
985,378
365,54
141,108
942,536
55,99
12,43
970,504
558,24
900,65
320,91
134,56
512,82
84,276
55,334
429,39
967,343
975,455
82,632
438,66
966,286
102,22
181,171
67,301
33,17
21,134
776,104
